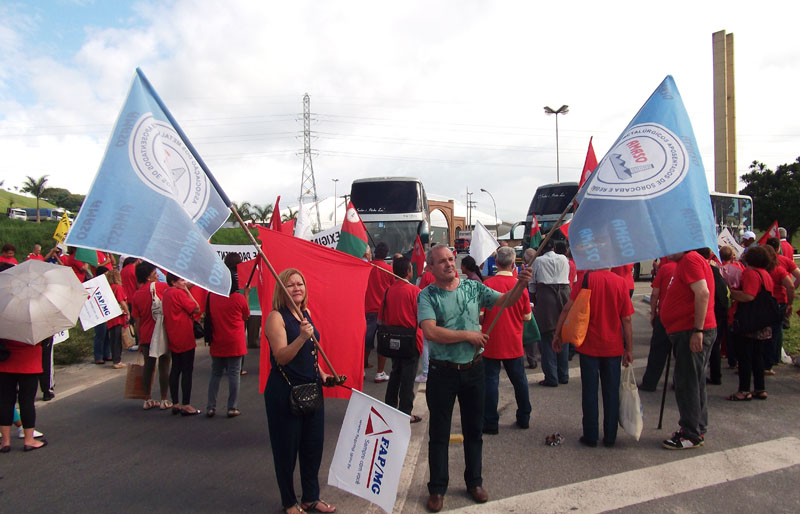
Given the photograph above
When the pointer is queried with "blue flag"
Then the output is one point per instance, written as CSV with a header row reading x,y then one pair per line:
x,y
151,199
648,196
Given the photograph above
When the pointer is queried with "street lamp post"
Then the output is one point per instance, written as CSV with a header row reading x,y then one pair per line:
x,y
496,224
335,180
564,109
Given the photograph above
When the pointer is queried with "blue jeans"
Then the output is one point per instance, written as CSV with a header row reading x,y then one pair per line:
x,y
555,366
102,345
444,386
515,369
607,371
233,368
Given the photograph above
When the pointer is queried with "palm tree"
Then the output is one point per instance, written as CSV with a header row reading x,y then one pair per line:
x,y
262,213
36,188
243,209
292,214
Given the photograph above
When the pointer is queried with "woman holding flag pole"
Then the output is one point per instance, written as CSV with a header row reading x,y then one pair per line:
x,y
293,357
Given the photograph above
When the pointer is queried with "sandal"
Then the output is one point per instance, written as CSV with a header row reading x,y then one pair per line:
x,y
315,506
415,419
294,509
769,372
165,404
740,397
232,413
760,395
149,404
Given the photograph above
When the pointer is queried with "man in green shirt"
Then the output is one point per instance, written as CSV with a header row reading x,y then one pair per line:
x,y
448,312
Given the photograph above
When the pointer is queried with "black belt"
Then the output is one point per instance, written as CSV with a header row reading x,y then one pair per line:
x,y
459,367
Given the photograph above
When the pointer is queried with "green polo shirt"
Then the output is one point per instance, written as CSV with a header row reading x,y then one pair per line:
x,y
457,310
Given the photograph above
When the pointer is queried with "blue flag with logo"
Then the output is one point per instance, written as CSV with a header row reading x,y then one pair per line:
x,y
151,199
648,196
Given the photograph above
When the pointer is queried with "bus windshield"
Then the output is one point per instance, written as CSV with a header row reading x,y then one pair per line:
x,y
398,235
385,197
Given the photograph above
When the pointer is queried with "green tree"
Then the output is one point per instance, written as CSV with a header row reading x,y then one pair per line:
x,y
63,198
36,188
775,195
262,213
290,216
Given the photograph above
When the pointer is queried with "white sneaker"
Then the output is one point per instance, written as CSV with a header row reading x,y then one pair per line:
x,y
381,377
421,378
134,348
36,433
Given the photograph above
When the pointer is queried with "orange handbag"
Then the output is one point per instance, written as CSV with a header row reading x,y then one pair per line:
x,y
577,323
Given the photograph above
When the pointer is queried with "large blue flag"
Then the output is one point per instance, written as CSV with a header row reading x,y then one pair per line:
x,y
151,198
648,196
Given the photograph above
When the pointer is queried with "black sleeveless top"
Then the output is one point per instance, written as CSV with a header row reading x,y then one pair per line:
x,y
301,369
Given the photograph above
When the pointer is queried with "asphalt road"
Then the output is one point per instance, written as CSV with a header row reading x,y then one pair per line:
x,y
108,455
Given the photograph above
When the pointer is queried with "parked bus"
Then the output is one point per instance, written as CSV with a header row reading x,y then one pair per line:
x,y
734,212
549,201
394,211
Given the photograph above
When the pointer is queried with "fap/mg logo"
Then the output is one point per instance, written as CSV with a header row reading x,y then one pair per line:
x,y
163,162
376,427
647,161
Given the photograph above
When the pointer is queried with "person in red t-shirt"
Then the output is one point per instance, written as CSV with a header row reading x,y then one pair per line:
x,y
688,317
141,305
19,378
8,253
36,254
377,284
608,345
505,345
748,346
787,250
783,292
228,344
399,309
626,272
114,326
77,266
179,307
659,342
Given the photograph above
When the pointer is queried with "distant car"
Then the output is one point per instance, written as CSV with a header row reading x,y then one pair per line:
x,y
461,245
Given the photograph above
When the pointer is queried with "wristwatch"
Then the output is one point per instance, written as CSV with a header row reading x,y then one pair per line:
x,y
694,330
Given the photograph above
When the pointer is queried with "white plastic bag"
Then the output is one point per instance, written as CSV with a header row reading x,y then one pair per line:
x,y
785,357
630,407
158,343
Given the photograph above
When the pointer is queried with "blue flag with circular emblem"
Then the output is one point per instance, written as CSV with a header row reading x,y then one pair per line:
x,y
648,197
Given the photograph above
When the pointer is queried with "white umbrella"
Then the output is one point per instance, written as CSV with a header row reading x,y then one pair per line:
x,y
38,299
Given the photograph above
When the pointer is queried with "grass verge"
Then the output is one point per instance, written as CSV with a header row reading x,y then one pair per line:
x,y
76,349
791,337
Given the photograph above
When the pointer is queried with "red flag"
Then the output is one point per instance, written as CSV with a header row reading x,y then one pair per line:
x,y
336,284
287,227
565,229
536,233
589,164
772,231
418,258
275,222
353,236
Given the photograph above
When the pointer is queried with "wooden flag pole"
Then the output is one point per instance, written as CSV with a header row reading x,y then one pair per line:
x,y
291,303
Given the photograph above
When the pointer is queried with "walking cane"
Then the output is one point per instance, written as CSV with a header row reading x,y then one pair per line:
x,y
666,381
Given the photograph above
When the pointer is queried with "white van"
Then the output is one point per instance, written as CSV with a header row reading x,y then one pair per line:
x,y
17,214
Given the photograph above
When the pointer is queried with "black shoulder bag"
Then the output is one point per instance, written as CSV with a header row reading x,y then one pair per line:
x,y
304,398
393,341
760,313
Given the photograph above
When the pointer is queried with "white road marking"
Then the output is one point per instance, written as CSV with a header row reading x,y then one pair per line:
x,y
655,482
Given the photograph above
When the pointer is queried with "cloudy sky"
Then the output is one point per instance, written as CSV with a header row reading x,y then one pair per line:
x,y
449,91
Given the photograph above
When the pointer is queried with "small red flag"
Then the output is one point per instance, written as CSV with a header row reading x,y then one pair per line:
x,y
565,229
589,164
353,236
772,231
275,222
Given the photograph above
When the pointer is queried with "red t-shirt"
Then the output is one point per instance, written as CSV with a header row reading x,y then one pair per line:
x,y
401,308
573,271
128,275
34,257
199,294
752,278
227,321
24,358
778,291
662,280
426,279
119,294
76,265
786,249
505,341
178,310
141,302
626,272
379,281
677,311
609,303
10,260
787,263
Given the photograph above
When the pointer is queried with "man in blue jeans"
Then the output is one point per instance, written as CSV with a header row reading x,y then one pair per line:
x,y
448,313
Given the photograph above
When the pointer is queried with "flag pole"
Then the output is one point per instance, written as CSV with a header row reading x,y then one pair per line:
x,y
228,203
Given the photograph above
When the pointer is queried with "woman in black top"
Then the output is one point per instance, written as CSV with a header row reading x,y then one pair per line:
x,y
293,358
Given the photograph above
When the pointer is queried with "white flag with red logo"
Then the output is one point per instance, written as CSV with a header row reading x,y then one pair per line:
x,y
370,452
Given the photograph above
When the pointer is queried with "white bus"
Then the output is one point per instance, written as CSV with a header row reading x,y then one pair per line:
x,y
549,201
394,211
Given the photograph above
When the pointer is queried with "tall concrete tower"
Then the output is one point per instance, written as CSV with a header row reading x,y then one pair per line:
x,y
725,178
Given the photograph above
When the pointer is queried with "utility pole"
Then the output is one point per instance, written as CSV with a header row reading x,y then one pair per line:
x,y
308,186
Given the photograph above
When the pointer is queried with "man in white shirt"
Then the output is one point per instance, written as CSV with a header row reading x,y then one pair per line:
x,y
550,291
